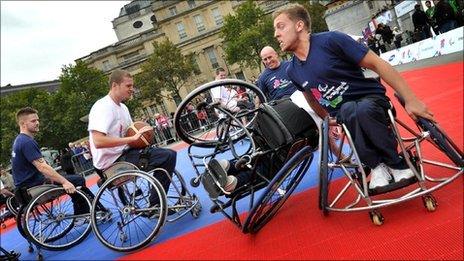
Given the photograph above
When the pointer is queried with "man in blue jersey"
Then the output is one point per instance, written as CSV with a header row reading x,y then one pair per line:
x,y
327,67
30,169
274,81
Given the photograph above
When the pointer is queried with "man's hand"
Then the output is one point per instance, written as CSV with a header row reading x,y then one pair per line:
x,y
415,108
141,131
69,187
335,132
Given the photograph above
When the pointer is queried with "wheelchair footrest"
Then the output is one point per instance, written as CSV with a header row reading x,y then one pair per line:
x,y
393,186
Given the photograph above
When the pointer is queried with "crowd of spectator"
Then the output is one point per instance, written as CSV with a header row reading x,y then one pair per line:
x,y
439,17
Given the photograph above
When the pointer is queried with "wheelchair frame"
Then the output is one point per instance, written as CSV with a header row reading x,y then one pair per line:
x,y
173,205
412,153
41,201
262,207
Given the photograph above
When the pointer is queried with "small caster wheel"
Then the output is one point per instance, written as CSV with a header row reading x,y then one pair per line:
x,y
40,257
376,218
195,182
197,208
3,226
30,249
430,203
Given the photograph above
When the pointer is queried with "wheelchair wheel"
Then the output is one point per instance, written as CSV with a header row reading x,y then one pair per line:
x,y
278,190
50,220
12,205
209,135
443,142
134,220
323,168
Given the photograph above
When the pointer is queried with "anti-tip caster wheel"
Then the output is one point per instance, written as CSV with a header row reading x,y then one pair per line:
x,y
430,203
195,182
376,218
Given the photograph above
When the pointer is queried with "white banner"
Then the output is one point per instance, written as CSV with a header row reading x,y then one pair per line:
x,y
449,42
404,7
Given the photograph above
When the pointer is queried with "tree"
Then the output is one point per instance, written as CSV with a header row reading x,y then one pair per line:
x,y
316,12
81,86
245,33
36,98
167,69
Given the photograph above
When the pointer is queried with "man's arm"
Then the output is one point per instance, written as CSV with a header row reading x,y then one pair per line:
x,y
101,140
414,107
54,176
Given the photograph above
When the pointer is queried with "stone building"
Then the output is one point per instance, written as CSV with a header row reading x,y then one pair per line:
x,y
193,26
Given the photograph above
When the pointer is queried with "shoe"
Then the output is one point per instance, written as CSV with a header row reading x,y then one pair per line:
x,y
400,174
230,184
225,164
379,176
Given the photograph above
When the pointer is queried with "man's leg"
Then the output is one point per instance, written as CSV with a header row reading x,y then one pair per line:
x,y
373,121
348,116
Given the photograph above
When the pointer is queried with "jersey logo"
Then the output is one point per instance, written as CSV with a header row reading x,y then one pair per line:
x,y
330,95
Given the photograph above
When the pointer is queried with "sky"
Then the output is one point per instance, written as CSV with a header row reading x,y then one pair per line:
x,y
39,37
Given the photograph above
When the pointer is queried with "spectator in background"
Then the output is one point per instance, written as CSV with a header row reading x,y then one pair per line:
x,y
398,37
8,186
274,81
421,23
387,35
430,11
66,163
372,44
457,6
445,16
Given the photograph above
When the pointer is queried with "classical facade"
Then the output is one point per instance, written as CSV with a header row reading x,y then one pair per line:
x,y
193,26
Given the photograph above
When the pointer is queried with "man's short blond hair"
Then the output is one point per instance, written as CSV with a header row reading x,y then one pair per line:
x,y
118,75
295,12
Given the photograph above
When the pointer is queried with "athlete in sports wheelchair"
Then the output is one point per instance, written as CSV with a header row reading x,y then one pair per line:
x,y
139,204
418,146
269,147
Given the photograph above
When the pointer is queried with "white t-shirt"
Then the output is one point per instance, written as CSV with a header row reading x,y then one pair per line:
x,y
298,98
113,120
227,97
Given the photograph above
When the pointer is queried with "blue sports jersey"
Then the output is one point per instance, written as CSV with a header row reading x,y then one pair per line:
x,y
332,72
275,83
25,151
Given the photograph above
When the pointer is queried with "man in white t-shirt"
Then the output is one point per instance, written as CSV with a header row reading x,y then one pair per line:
x,y
109,119
227,96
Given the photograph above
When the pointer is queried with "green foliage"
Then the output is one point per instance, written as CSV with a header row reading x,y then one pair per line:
x,y
245,33
59,112
167,69
10,104
316,12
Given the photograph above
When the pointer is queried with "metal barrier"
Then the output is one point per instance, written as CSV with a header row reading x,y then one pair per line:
x,y
82,163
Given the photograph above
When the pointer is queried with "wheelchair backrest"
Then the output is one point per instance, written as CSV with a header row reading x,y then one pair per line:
x,y
23,195
282,122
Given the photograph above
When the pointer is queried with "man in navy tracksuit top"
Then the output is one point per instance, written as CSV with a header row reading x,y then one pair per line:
x,y
274,81
327,66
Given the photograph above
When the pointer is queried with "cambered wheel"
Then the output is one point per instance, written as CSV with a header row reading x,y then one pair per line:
x,y
324,169
217,113
136,218
50,220
443,142
278,191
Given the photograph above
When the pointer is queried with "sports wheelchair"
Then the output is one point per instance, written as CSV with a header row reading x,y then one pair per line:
x,y
46,217
126,192
255,134
427,146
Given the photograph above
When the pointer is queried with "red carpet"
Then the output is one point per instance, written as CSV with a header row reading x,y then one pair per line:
x,y
300,231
